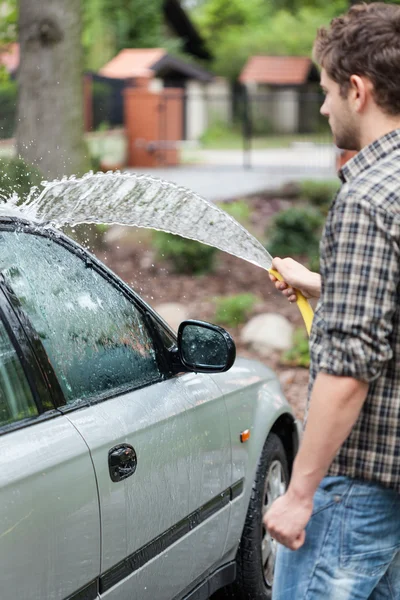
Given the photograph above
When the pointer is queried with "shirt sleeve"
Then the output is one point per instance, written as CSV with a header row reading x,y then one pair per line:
x,y
360,287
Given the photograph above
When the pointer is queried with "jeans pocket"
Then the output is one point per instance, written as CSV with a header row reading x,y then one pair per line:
x,y
369,540
322,501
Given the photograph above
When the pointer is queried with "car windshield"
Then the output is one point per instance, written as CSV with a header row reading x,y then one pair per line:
x,y
95,337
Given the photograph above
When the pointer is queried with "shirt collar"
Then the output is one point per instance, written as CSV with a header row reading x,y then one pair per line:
x,y
369,155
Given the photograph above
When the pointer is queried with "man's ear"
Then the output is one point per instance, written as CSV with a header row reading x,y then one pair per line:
x,y
360,92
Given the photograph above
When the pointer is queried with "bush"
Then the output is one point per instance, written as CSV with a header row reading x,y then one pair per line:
x,y
8,103
221,132
298,355
16,176
319,193
295,232
239,210
186,256
234,310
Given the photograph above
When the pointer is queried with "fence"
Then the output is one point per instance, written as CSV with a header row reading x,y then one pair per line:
x,y
213,117
240,120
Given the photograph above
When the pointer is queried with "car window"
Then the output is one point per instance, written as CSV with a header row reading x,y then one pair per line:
x,y
96,339
16,400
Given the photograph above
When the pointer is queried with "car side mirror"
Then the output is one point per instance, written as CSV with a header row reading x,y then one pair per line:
x,y
205,348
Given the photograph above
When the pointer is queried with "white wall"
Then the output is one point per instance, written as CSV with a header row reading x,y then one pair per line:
x,y
286,111
273,108
207,103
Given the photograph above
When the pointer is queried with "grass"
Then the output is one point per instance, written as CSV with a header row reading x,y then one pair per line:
x,y
234,141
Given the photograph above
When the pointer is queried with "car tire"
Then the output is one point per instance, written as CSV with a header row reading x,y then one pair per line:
x,y
255,558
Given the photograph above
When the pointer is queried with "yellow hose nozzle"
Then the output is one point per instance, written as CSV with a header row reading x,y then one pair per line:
x,y
302,303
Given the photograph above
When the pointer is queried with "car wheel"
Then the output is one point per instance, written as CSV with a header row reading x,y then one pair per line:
x,y
257,550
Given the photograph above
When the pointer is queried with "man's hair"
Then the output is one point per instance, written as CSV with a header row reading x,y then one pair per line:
x,y
365,41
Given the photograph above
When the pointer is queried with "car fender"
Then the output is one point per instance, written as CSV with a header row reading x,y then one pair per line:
x,y
255,402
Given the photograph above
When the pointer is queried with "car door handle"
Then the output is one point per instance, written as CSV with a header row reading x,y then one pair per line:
x,y
122,462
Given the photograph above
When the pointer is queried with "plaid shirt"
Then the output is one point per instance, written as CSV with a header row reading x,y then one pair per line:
x,y
356,328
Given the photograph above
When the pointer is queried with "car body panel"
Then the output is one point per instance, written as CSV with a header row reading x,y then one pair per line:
x,y
49,514
183,462
254,401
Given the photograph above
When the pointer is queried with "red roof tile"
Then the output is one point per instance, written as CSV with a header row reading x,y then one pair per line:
x,y
276,70
133,62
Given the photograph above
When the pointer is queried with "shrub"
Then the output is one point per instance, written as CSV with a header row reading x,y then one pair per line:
x,y
234,310
298,355
16,176
239,210
295,232
186,256
221,132
319,193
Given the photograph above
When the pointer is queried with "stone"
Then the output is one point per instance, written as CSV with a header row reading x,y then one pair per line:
x,y
115,233
268,331
173,313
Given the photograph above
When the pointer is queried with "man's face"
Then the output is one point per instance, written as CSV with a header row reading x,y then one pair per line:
x,y
341,120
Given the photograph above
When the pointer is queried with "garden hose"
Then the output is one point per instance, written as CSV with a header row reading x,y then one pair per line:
x,y
302,303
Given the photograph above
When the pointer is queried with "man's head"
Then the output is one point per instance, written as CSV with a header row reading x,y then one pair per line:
x,y
360,58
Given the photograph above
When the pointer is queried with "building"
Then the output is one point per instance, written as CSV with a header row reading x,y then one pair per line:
x,y
284,92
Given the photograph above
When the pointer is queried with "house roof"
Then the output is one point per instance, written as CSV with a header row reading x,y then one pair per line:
x,y
9,57
279,70
133,62
152,62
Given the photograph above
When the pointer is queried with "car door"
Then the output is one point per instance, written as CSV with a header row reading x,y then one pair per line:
x,y
49,513
161,457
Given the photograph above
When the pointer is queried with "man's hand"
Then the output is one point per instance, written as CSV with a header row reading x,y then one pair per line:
x,y
295,276
287,518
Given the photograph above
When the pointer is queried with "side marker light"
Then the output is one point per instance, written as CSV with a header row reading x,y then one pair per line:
x,y
245,435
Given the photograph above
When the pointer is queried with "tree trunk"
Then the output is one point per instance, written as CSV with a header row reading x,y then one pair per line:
x,y
50,102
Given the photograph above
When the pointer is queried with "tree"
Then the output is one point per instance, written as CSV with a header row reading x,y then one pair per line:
x,y
50,101
111,25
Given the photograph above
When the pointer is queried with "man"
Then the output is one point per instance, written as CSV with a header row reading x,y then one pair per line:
x,y
339,522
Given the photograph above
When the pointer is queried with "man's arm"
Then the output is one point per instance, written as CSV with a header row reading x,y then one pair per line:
x,y
296,276
335,405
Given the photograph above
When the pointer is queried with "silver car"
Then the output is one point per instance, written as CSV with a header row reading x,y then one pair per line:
x,y
134,463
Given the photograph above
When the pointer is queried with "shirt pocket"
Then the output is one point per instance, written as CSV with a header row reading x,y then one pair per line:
x,y
370,532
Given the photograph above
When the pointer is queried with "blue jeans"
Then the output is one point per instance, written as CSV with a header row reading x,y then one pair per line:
x,y
352,547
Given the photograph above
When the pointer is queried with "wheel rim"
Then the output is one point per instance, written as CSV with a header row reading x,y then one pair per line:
x,y
275,486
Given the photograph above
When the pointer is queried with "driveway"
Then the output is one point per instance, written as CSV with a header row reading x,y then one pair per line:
x,y
221,174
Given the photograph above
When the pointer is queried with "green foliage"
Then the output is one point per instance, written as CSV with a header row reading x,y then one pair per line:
x,y
239,210
295,232
186,256
319,193
220,131
8,104
234,310
285,28
215,17
8,21
299,354
16,176
134,23
97,35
